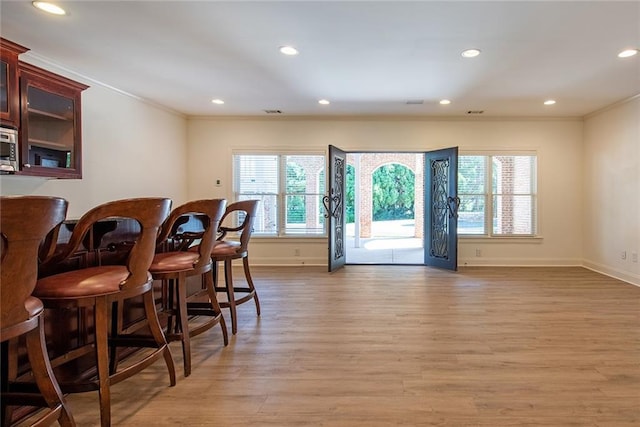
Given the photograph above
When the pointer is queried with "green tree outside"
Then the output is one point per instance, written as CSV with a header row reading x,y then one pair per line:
x,y
350,193
393,192
296,183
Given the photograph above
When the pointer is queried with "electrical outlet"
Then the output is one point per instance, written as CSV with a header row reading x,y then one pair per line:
x,y
478,252
296,252
218,183
623,255
634,256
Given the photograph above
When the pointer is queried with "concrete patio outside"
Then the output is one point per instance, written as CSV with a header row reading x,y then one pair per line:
x,y
391,242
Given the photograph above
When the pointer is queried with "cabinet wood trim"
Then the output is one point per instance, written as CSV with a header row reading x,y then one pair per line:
x,y
26,68
9,52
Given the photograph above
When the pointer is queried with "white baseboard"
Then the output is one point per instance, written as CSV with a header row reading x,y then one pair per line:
x,y
631,278
625,276
519,262
288,261
470,262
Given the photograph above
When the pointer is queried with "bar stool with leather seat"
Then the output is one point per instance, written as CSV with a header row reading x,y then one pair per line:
x,y
186,259
24,223
228,250
103,286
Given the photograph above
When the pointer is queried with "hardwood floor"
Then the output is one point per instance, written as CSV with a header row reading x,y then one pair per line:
x,y
381,346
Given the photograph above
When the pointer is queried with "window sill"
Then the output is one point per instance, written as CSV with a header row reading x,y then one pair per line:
x,y
501,239
302,239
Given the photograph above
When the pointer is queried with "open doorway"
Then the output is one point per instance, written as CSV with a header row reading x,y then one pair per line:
x,y
384,208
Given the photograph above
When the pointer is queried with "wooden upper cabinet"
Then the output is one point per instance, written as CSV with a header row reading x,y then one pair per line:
x,y
9,88
50,131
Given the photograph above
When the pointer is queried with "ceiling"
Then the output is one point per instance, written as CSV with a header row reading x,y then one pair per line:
x,y
366,58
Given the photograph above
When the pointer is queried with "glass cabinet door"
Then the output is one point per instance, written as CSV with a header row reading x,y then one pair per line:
x,y
50,132
51,129
4,83
9,89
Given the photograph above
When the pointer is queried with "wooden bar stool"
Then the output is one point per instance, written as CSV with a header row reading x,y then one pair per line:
x,y
101,287
228,250
185,259
24,223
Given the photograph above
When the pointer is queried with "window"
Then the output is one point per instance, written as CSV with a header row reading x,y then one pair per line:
x,y
497,195
290,186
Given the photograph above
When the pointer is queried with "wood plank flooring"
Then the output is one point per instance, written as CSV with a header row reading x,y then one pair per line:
x,y
398,345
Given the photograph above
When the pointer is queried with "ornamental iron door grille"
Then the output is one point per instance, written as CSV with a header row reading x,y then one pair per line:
x,y
440,209
335,208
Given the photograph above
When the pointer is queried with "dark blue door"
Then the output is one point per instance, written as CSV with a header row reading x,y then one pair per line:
x,y
335,207
441,208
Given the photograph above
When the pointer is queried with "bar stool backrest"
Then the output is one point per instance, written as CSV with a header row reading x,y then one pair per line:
x,y
209,212
148,212
250,210
24,223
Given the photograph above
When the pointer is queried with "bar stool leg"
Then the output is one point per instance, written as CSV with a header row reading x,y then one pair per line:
x,y
228,283
43,373
9,374
117,316
210,287
247,274
158,335
181,284
102,359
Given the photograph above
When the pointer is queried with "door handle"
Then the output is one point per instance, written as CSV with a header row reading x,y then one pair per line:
x,y
326,200
453,203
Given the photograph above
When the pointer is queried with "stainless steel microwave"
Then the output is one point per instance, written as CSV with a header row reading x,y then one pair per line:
x,y
9,155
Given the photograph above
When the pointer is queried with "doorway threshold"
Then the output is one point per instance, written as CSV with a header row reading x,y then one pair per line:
x,y
385,250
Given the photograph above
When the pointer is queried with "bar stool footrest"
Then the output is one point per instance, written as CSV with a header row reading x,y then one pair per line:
x,y
79,387
173,336
23,399
133,341
245,298
136,367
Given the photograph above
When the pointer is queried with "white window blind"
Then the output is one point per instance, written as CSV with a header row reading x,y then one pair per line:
x,y
498,195
290,186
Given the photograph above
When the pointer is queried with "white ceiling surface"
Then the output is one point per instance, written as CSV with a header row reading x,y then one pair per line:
x,y
367,58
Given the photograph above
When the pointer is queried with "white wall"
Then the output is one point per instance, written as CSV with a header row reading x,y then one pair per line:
x,y
557,142
129,149
612,191
589,184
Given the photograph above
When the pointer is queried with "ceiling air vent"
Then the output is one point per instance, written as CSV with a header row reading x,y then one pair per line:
x,y
273,111
415,102
475,111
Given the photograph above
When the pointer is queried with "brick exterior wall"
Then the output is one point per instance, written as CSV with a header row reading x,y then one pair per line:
x,y
513,212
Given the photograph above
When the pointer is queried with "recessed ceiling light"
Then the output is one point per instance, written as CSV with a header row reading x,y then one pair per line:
x,y
217,101
627,53
49,7
471,53
324,102
445,102
288,50
549,102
